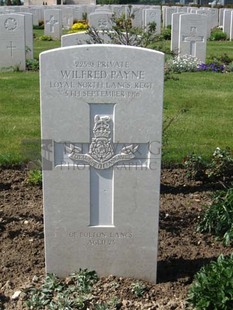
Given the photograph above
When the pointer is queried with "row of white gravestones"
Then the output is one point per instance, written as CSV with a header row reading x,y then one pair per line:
x,y
16,37
189,35
101,115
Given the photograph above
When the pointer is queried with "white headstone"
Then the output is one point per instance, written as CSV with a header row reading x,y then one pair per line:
x,y
175,32
67,17
227,22
100,20
12,38
168,15
193,35
101,108
53,23
81,38
153,15
35,13
231,27
28,35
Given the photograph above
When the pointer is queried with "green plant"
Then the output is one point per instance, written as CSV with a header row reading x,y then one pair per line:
x,y
138,289
45,38
229,67
114,303
166,33
218,35
35,177
57,294
32,64
221,166
218,217
196,166
212,288
84,280
122,32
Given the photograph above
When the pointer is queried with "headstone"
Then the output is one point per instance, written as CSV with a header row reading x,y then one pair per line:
x,y
79,12
231,27
227,22
208,14
28,35
138,20
67,17
12,38
53,23
214,17
168,15
193,35
153,15
220,16
101,20
35,13
101,108
81,38
175,33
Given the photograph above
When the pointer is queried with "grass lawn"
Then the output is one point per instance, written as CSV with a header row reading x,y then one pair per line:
x,y
200,104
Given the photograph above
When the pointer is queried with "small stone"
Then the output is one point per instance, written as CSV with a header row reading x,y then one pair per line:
x,y
15,295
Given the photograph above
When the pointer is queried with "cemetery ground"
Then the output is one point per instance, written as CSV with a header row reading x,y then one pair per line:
x,y
182,250
197,118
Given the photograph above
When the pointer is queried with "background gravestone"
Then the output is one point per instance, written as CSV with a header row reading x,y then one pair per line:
x,y
101,108
53,23
12,38
101,19
193,35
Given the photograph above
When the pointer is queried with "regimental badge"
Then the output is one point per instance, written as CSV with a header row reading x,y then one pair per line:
x,y
101,151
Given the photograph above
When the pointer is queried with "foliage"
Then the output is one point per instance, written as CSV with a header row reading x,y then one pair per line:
x,y
35,177
229,68
222,59
222,164
138,289
54,293
45,38
196,166
32,65
186,63
114,303
124,33
218,35
218,218
212,288
79,26
220,167
166,33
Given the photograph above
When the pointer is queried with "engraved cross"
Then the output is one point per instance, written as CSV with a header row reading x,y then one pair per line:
x,y
51,22
193,38
11,47
101,155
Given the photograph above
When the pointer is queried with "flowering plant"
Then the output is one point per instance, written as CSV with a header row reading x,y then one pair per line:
x,y
79,26
185,63
214,67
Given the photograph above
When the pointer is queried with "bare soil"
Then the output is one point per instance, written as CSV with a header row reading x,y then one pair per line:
x,y
182,251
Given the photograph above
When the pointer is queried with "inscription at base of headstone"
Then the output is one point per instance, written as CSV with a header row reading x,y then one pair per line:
x,y
101,108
